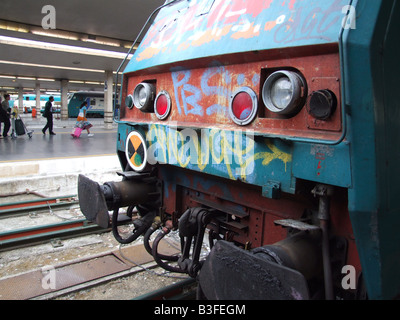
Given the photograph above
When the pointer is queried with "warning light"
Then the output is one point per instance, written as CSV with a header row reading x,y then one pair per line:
x,y
162,105
243,106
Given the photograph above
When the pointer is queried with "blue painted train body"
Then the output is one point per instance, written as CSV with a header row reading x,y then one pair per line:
x,y
273,126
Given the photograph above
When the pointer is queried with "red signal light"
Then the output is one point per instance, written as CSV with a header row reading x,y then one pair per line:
x,y
162,105
243,106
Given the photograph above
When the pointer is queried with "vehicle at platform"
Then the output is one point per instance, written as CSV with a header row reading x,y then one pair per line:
x,y
94,99
29,102
272,129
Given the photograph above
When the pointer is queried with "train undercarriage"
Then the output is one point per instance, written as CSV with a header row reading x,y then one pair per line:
x,y
289,246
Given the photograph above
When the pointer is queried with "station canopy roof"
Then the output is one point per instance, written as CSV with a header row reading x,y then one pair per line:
x,y
90,37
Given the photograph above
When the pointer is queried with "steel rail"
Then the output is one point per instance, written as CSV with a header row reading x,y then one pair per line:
x,y
182,290
39,234
22,207
94,283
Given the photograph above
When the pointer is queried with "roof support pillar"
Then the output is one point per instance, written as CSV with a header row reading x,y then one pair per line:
x,y
108,99
64,100
37,92
20,99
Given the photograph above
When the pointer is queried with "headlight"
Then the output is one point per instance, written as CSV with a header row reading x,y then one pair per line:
x,y
143,97
284,92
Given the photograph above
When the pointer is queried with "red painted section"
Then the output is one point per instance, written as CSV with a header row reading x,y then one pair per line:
x,y
200,94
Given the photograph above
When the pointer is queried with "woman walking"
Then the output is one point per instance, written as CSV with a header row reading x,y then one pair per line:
x,y
82,121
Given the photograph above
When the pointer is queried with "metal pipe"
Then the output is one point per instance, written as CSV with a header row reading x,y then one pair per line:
x,y
324,217
326,260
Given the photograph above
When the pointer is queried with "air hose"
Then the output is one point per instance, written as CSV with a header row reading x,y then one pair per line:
x,y
141,226
157,256
149,249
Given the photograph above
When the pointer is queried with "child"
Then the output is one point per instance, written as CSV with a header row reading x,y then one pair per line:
x,y
82,120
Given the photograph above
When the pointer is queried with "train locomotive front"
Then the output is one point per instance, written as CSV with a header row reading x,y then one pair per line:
x,y
246,122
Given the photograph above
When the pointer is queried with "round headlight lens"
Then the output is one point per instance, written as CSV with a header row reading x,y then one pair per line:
x,y
143,97
281,92
284,92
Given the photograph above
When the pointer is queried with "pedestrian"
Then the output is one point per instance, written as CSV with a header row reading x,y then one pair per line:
x,y
5,115
48,114
82,121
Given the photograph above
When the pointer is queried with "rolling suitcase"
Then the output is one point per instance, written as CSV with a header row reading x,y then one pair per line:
x,y
76,133
19,127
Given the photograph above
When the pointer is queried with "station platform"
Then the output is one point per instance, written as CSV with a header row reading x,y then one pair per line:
x,y
62,145
49,165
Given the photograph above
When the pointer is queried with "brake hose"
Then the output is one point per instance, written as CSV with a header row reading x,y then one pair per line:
x,y
149,249
156,256
145,222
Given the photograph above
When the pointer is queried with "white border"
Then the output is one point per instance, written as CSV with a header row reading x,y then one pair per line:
x,y
253,112
136,133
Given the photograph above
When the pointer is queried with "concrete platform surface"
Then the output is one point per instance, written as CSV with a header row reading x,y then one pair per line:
x,y
50,164
62,145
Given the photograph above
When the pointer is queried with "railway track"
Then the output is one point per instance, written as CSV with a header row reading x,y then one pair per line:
x,y
55,220
15,234
18,208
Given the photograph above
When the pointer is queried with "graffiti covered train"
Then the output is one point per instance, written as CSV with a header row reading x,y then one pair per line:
x,y
269,127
